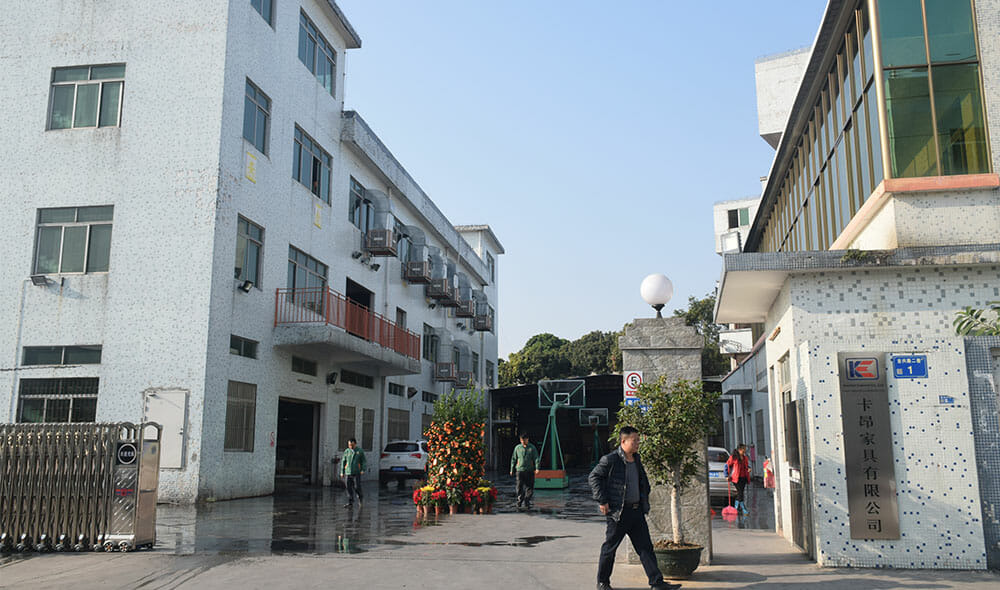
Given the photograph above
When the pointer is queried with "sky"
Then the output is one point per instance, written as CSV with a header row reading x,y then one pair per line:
x,y
593,137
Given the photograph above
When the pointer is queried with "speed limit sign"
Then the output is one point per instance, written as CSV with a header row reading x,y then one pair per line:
x,y
633,379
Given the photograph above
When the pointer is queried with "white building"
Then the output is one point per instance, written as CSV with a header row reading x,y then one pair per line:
x,y
149,146
879,222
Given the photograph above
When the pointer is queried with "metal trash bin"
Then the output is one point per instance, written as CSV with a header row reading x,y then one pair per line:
x,y
78,486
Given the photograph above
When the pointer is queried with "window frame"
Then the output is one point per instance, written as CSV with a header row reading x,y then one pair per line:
x,y
63,390
246,236
269,17
241,404
303,144
320,48
258,108
63,349
304,366
100,82
39,224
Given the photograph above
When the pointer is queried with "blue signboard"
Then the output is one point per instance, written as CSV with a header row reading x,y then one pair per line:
x,y
909,367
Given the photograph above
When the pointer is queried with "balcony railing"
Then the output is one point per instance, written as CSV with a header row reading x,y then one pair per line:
x,y
318,305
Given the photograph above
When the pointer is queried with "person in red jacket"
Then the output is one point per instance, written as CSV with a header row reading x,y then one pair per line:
x,y
739,474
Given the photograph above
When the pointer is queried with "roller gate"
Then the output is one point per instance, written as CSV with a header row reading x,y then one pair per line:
x,y
78,487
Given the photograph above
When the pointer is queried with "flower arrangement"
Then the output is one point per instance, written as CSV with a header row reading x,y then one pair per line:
x,y
455,496
422,495
456,441
439,498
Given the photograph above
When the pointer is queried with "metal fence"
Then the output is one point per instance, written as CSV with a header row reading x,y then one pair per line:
x,y
78,486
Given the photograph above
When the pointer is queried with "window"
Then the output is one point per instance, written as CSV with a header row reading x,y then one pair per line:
x,y
249,249
304,366
347,425
265,8
358,379
242,346
398,425
475,366
256,117
86,96
430,344
492,265
396,389
739,217
361,212
403,243
241,411
73,239
317,54
489,374
61,355
58,400
308,276
430,397
367,429
311,165
425,423
400,318
493,319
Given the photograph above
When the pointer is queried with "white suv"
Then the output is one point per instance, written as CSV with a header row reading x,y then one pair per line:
x,y
401,460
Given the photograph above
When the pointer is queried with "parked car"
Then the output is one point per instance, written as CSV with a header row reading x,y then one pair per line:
x,y
402,460
718,484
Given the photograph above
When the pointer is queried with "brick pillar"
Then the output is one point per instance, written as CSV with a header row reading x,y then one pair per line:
x,y
666,346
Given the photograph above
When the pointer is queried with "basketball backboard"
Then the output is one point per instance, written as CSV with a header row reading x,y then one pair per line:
x,y
593,416
570,393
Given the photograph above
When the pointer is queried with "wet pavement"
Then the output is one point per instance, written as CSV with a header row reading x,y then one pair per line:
x,y
760,503
303,519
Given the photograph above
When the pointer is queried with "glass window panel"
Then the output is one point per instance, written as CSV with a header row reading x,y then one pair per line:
x,y
32,410
99,252
310,60
858,82
303,42
42,355
950,32
73,249
57,410
901,25
874,136
105,72
744,216
866,46
86,105
864,162
241,257
324,184
84,409
911,133
253,262
844,193
110,95
62,107
70,74
49,242
83,355
260,138
960,125
296,161
104,213
249,109
266,13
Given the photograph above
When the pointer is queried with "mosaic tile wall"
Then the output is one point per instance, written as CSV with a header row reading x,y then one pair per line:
x,y
897,311
982,361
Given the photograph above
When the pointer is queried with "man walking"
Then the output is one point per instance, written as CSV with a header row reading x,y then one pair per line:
x,y
352,466
619,484
524,462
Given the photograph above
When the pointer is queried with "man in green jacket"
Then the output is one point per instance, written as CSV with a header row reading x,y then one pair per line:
x,y
352,466
524,462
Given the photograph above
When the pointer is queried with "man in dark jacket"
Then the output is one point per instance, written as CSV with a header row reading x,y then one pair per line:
x,y
619,484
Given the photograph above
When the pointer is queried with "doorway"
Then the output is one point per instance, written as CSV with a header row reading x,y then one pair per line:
x,y
297,444
358,320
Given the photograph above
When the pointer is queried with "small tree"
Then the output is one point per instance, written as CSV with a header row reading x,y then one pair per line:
x,y
455,441
979,322
671,418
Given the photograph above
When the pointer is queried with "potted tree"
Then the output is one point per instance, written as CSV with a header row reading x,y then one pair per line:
x,y
672,418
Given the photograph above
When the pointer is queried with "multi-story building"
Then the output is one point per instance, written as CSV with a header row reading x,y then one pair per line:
x,y
879,222
214,244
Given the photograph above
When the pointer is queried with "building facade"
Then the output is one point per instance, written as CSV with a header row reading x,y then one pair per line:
x,y
220,247
880,220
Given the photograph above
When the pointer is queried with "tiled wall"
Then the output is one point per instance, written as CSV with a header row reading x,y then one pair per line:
x,y
897,311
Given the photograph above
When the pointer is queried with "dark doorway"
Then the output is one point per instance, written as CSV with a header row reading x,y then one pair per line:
x,y
358,294
359,304
295,451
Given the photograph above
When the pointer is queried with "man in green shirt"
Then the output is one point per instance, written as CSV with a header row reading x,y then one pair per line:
x,y
524,462
352,466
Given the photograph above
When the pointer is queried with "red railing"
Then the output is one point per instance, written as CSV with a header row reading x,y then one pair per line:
x,y
323,305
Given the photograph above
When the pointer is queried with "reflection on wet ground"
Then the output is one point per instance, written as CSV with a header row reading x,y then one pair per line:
x,y
306,519
312,520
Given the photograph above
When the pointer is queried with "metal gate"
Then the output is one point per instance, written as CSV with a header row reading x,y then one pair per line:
x,y
78,487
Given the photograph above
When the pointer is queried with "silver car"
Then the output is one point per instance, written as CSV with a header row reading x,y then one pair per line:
x,y
718,484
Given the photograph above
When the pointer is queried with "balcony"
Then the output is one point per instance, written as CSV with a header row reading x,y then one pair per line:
x,y
320,319
380,242
445,372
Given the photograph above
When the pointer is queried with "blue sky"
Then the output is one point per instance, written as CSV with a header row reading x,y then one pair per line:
x,y
592,136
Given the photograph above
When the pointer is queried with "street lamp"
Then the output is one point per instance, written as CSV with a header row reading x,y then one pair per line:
x,y
656,290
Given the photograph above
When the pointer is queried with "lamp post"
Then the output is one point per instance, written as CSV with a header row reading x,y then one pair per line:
x,y
656,290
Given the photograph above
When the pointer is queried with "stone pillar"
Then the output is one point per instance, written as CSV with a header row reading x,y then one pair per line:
x,y
666,346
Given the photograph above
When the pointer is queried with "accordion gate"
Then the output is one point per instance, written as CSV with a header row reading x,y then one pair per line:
x,y
78,487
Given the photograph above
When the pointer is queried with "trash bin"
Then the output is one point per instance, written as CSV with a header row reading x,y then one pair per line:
x,y
78,486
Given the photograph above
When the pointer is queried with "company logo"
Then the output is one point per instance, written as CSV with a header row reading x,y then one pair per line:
x,y
862,369
126,454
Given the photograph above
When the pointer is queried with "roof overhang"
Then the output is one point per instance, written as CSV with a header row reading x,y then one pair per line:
x,y
752,281
343,26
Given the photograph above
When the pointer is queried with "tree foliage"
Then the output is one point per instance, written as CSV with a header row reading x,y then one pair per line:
x,y
546,356
700,314
979,322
